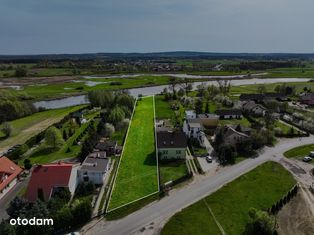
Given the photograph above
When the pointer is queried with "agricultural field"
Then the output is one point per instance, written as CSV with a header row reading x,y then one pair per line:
x,y
25,128
137,175
231,203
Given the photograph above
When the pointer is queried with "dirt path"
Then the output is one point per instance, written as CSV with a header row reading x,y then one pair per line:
x,y
297,217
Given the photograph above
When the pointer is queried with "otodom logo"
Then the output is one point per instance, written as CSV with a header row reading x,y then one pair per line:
x,y
32,221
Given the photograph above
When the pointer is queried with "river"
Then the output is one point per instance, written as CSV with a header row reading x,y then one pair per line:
x,y
154,90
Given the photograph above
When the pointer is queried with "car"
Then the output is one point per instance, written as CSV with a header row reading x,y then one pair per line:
x,y
209,159
307,159
311,154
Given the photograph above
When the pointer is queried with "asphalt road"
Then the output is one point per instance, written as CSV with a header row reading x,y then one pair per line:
x,y
155,214
5,201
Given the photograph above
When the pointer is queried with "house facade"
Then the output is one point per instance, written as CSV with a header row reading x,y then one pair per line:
x,y
171,145
193,128
255,109
94,168
9,174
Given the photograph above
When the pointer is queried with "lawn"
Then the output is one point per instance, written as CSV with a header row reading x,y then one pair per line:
x,y
172,171
137,174
286,129
300,151
44,154
25,128
163,109
259,188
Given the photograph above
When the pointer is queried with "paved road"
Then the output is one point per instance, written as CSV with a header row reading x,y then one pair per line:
x,y
155,214
5,201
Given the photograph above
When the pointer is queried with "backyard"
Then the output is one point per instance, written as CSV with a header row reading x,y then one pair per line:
x,y
137,174
259,188
25,128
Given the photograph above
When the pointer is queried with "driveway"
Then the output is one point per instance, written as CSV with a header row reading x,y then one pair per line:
x,y
150,219
206,166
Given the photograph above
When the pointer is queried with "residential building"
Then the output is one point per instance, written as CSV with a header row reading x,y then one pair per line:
x,y
9,175
254,109
233,135
262,97
209,120
171,145
307,98
229,114
48,178
94,168
192,128
108,146
190,114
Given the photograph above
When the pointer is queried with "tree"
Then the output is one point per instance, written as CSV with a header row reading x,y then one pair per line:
x,y
18,207
125,100
27,164
101,98
109,130
20,71
116,115
260,223
181,92
63,218
207,107
226,153
6,129
82,212
198,106
6,228
53,137
187,85
261,89
173,82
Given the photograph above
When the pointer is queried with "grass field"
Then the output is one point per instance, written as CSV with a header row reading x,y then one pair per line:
x,y
137,174
300,151
172,171
243,122
259,188
26,127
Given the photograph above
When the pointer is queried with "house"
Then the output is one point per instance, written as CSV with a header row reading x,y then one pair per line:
x,y
94,168
233,136
171,145
192,128
230,114
209,120
254,109
190,114
9,175
48,178
307,98
108,146
263,97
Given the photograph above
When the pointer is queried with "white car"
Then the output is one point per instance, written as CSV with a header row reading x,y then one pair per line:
x,y
209,159
307,159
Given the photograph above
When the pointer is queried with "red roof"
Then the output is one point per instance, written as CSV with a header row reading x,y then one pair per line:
x,y
8,172
46,177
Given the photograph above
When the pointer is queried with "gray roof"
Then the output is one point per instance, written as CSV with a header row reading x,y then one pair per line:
x,y
171,140
95,162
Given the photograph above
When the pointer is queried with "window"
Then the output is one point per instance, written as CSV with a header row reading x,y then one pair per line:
x,y
178,152
165,152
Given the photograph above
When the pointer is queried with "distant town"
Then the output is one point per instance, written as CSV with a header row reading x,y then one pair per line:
x,y
157,143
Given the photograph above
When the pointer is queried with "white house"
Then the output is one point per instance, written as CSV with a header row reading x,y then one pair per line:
x,y
94,168
190,114
192,128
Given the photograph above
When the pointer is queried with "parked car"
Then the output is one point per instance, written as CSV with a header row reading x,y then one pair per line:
x,y
311,154
307,159
209,159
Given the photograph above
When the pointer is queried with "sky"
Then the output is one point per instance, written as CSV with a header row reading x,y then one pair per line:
x,y
88,26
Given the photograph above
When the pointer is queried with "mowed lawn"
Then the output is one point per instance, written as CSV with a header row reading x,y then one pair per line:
x,y
137,174
259,188
299,152
25,128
